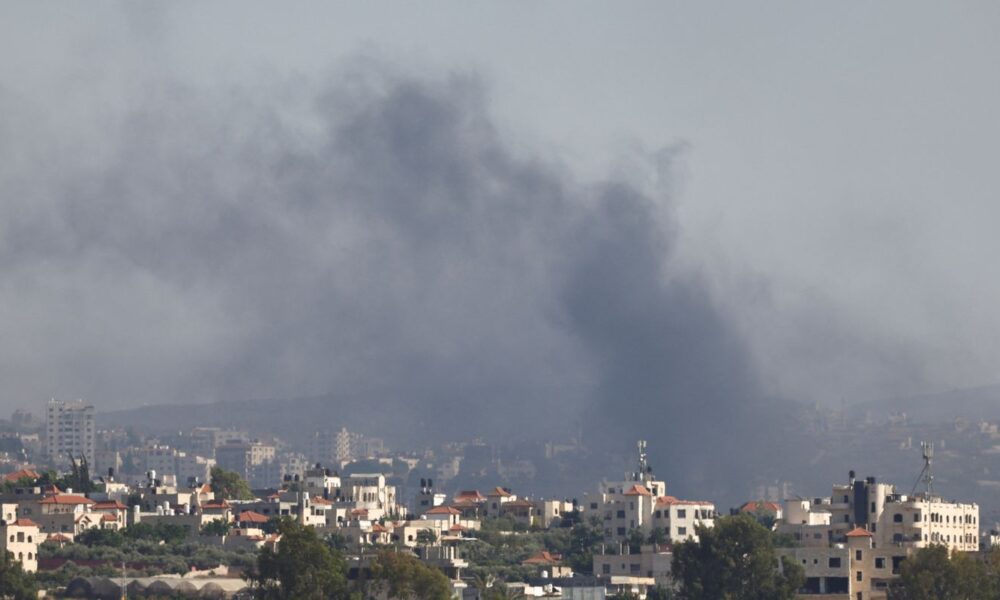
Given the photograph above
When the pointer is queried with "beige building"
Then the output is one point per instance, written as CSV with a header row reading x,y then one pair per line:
x,y
21,538
651,562
853,570
253,461
851,544
69,430
893,518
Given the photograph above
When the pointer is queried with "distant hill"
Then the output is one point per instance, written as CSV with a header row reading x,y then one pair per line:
x,y
974,403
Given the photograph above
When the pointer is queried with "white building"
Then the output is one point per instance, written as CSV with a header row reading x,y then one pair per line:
x,y
641,503
69,429
21,538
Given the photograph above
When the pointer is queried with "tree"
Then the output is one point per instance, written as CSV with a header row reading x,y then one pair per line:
x,y
14,582
217,527
733,560
931,575
302,568
229,485
585,539
403,576
426,537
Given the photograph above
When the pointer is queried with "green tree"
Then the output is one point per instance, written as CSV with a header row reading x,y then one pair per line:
x,y
14,582
660,593
101,537
302,568
585,539
229,485
216,527
426,537
734,560
404,576
931,575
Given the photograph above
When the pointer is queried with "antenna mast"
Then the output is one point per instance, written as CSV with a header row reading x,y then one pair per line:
x,y
641,475
926,476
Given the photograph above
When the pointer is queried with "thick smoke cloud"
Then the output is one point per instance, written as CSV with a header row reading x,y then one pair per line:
x,y
373,235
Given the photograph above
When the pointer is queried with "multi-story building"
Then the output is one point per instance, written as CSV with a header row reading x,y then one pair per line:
x,y
253,461
641,503
69,429
893,518
21,538
332,447
851,544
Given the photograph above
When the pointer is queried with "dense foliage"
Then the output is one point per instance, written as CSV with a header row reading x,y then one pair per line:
x,y
931,574
735,560
147,549
229,485
302,568
14,582
405,577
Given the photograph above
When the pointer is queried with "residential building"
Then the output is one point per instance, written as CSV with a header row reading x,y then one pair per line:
x,y
21,538
253,461
70,431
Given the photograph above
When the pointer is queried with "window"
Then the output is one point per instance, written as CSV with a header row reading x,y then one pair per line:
x,y
847,518
620,514
916,517
657,514
681,513
593,506
859,576
621,531
897,518
857,555
880,562
834,562
606,569
682,531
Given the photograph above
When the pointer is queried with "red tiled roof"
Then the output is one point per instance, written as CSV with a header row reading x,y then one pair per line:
x,y
499,491
543,558
360,512
755,506
859,532
379,528
57,537
66,499
322,501
215,504
456,527
473,495
22,474
109,505
24,522
638,490
249,516
110,517
443,510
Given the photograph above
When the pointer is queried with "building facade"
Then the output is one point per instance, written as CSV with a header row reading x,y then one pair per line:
x,y
70,430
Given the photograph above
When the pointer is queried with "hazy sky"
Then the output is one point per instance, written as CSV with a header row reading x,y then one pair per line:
x,y
813,185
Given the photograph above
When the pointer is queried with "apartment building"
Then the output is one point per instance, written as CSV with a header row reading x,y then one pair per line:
x,y
893,518
69,430
253,461
641,503
852,543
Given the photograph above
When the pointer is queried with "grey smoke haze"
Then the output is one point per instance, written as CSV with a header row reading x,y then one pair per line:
x,y
192,208
371,233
